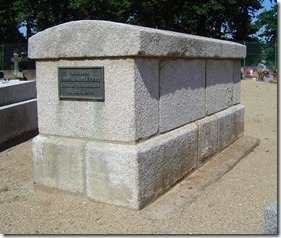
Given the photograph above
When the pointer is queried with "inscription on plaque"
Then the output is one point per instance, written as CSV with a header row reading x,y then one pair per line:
x,y
81,83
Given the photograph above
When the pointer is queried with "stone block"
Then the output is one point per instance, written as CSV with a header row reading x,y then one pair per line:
x,y
134,175
89,38
219,85
236,82
166,159
270,219
182,93
146,97
14,91
230,125
18,119
112,173
58,162
128,113
207,138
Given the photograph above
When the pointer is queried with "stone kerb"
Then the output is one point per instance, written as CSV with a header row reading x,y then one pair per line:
x,y
165,95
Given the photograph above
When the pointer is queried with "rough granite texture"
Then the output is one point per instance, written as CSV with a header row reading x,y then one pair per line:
x,y
207,138
182,93
230,125
134,175
18,119
90,38
127,174
129,112
219,85
12,91
145,136
58,162
236,82
271,219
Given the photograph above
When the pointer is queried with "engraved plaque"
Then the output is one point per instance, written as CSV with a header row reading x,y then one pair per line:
x,y
81,83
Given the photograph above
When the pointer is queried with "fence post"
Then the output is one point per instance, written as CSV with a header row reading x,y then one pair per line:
x,y
275,54
2,56
245,57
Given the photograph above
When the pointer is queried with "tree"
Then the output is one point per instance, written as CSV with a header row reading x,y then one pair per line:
x,y
267,22
9,26
26,15
216,18
229,19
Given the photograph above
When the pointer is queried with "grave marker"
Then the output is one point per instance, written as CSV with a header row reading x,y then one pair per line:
x,y
16,59
161,90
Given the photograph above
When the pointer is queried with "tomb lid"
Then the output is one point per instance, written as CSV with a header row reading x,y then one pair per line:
x,y
92,38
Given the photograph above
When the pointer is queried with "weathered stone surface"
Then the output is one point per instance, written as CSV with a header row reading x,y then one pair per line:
x,y
58,162
89,38
270,219
181,195
182,92
230,125
112,173
219,85
207,138
145,135
236,81
146,97
134,175
18,119
16,91
164,160
129,112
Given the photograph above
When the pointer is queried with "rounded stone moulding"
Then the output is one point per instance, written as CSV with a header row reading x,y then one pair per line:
x,y
92,38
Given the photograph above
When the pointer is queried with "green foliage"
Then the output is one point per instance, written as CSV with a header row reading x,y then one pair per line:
x,y
267,22
9,26
225,19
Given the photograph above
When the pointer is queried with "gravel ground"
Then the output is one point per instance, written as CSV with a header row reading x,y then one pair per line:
x,y
233,205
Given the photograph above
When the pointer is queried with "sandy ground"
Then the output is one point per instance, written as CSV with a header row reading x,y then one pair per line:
x,y
233,205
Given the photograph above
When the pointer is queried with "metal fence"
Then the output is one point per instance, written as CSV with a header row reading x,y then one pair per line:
x,y
260,53
257,52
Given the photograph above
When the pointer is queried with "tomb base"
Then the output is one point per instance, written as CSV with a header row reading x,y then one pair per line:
x,y
128,174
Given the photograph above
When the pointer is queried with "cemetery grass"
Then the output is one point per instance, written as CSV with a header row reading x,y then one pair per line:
x,y
233,205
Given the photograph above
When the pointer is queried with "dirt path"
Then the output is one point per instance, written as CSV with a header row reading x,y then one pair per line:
x,y
233,205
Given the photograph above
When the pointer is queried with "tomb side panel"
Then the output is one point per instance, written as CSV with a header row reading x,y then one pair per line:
x,y
111,119
207,138
182,92
236,81
147,97
219,85
230,125
166,159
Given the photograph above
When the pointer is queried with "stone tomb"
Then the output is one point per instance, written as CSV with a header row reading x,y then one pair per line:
x,y
126,111
18,111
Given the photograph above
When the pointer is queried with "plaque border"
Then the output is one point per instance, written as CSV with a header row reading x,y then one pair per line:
x,y
82,98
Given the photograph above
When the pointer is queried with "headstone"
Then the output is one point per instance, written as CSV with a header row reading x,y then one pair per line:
x,y
261,66
16,59
120,108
